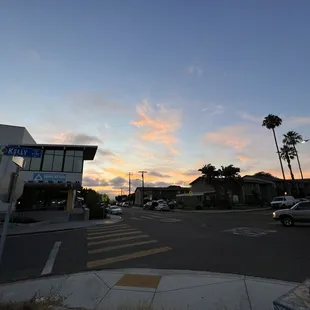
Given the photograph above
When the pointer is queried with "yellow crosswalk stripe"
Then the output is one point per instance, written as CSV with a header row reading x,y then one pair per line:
x,y
110,231
117,240
121,246
105,227
121,258
114,235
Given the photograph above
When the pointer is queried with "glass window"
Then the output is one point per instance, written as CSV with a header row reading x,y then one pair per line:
x,y
59,152
47,162
57,163
35,164
69,153
27,163
77,165
49,152
304,206
78,153
68,164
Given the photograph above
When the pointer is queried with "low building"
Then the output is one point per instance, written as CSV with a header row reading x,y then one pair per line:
x,y
46,183
155,193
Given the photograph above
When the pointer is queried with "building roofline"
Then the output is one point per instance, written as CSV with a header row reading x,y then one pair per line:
x,y
89,150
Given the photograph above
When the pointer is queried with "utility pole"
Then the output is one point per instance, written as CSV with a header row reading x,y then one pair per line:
x,y
142,174
129,185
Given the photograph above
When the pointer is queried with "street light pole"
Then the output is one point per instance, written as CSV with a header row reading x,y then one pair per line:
x,y
142,175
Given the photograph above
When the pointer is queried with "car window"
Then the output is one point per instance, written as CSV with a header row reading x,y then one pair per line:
x,y
278,199
304,206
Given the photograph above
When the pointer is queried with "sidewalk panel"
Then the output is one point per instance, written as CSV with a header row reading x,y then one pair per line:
x,y
25,290
262,293
229,296
83,290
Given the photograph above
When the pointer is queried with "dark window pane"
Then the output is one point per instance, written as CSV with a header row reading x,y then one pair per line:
x,y
78,153
35,164
57,164
27,163
59,152
78,163
70,153
68,164
47,162
49,152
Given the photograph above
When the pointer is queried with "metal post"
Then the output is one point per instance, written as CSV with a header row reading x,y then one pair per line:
x,y
129,186
8,215
142,174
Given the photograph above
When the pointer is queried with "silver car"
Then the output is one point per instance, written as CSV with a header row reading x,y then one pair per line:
x,y
300,212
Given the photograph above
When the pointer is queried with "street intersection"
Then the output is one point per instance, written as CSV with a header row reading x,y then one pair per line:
x,y
248,243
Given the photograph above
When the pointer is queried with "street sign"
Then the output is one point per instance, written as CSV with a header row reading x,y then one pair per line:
x,y
190,193
21,151
45,177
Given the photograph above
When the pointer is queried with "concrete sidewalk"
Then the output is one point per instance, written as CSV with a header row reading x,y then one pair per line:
x,y
154,289
222,211
43,227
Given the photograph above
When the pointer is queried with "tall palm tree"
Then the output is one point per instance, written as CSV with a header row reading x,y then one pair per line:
x,y
292,138
229,173
288,153
271,122
209,171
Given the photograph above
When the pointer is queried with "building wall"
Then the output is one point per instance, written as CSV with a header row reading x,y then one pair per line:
x,y
70,177
11,135
202,186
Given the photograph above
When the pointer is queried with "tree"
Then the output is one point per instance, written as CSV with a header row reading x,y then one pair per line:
x,y
210,172
271,122
264,174
229,173
292,138
288,153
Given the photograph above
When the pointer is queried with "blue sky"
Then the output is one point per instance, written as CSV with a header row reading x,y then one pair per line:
x,y
164,86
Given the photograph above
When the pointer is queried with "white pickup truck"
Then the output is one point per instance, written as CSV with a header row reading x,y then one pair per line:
x,y
283,202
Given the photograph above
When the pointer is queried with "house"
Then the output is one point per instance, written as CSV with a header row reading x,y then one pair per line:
x,y
155,193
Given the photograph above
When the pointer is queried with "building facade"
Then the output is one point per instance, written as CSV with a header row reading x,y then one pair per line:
x,y
46,183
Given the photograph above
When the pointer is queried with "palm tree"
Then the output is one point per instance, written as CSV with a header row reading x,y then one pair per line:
x,y
287,153
209,171
292,138
229,173
271,122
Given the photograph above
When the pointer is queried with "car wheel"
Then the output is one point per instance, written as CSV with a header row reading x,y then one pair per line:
x,y
287,221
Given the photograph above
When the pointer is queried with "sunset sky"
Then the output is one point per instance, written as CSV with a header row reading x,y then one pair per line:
x,y
164,86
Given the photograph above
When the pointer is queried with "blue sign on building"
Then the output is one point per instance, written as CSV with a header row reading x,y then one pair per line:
x,y
21,152
45,177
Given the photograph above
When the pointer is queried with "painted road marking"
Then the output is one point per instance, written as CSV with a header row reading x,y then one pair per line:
x,y
147,217
121,258
117,240
110,231
170,220
136,218
105,227
122,246
115,235
51,259
249,231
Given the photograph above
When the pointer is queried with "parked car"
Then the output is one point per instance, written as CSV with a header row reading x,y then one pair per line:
x,y
115,210
150,205
300,212
162,206
125,204
283,202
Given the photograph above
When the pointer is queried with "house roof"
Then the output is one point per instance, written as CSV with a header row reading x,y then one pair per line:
x,y
251,179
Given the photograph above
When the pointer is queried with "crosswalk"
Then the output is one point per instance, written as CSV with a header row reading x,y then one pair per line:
x,y
155,216
106,245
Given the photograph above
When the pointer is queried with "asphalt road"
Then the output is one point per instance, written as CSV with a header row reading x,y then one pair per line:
x,y
243,243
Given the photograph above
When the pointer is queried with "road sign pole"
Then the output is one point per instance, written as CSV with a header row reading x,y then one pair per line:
x,y
8,215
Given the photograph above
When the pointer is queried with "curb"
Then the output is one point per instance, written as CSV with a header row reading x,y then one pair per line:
x,y
222,211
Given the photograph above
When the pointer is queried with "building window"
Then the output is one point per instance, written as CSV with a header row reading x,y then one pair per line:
x,y
57,163
73,161
47,162
35,164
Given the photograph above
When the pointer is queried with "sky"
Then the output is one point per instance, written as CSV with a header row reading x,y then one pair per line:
x,y
164,86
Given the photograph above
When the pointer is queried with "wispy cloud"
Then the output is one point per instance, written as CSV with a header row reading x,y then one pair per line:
x,y
250,117
158,174
93,182
158,124
214,109
191,172
76,138
195,70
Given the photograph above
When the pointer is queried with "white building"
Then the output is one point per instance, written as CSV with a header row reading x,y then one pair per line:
x,y
46,183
